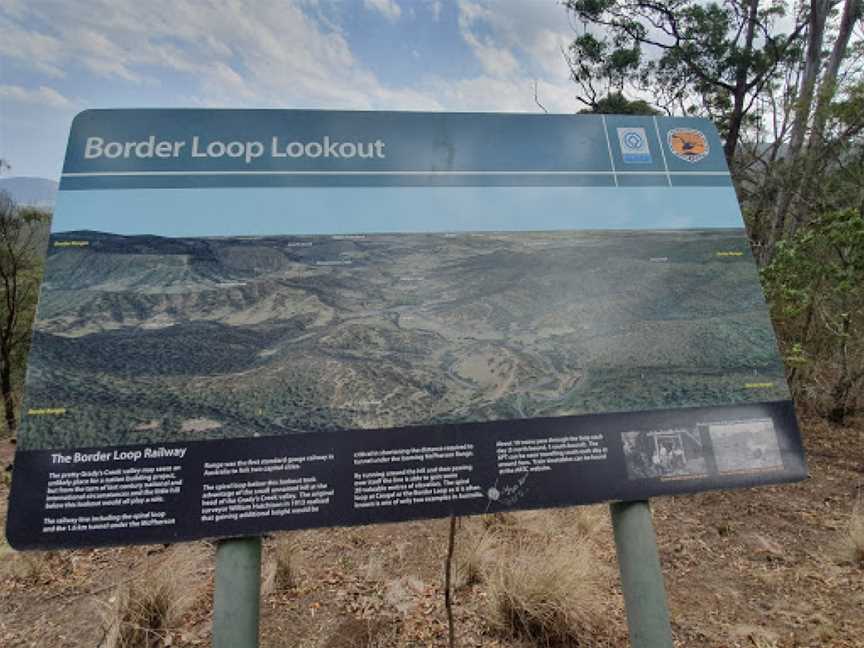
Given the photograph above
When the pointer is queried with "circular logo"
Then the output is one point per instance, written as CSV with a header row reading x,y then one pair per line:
x,y
688,144
633,140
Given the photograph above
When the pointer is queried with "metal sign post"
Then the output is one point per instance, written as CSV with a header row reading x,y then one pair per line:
x,y
237,593
641,577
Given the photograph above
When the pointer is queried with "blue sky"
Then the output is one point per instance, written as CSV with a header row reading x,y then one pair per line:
x,y
57,58
263,211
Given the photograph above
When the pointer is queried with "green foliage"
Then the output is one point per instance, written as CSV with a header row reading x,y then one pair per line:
x,y
617,104
691,57
815,284
754,75
23,232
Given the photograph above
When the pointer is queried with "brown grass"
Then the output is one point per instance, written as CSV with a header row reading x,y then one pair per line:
x,y
361,633
541,576
287,562
547,596
856,532
34,567
474,555
282,564
147,611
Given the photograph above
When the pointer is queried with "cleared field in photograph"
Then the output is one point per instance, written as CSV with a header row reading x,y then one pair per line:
x,y
144,338
745,445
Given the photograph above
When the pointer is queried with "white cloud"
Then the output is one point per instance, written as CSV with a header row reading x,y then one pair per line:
x,y
494,94
30,48
507,31
387,8
267,53
43,96
496,61
435,7
234,54
277,54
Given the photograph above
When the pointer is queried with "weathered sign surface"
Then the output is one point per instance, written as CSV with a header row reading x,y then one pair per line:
x,y
261,320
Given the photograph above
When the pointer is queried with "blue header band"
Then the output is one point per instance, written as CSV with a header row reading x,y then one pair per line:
x,y
115,149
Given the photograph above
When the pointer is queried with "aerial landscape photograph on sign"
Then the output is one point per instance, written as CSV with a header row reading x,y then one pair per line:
x,y
155,336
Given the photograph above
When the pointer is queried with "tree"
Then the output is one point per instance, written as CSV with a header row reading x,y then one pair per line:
x,y
22,236
617,104
791,108
853,11
802,164
693,58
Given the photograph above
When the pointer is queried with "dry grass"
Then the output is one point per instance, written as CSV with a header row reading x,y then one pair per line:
x,y
474,554
34,567
282,569
540,575
361,633
147,611
287,559
762,642
547,596
856,532
38,566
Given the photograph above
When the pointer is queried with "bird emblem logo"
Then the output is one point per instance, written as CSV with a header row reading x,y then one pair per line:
x,y
688,144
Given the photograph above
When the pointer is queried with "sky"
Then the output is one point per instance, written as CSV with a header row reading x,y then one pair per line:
x,y
59,57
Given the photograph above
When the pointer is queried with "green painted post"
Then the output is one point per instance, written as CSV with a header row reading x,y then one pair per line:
x,y
237,593
641,577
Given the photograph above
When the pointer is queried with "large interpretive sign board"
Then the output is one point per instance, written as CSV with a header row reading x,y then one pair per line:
x,y
263,320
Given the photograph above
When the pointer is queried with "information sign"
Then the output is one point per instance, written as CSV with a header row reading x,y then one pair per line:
x,y
281,319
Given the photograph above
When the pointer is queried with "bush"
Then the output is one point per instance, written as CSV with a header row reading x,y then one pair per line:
x,y
814,286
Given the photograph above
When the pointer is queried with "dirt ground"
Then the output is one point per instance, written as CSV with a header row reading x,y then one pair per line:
x,y
763,568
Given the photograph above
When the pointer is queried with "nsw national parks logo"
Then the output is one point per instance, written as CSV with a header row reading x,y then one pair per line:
x,y
688,144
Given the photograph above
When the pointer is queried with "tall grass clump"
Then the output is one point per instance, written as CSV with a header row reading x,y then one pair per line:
x,y
541,575
547,595
144,612
286,560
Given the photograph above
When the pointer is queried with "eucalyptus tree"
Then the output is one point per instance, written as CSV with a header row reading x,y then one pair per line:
x,y
691,57
23,232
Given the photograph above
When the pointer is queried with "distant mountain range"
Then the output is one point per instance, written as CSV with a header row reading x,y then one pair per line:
x,y
36,192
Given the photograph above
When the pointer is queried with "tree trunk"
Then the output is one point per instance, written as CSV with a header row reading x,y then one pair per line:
x,y
8,397
840,399
816,35
843,386
740,93
852,12
813,58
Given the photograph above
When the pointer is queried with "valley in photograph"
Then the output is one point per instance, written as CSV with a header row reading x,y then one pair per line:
x,y
148,338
